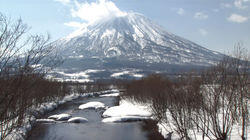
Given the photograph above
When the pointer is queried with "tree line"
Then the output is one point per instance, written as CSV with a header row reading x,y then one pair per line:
x,y
210,103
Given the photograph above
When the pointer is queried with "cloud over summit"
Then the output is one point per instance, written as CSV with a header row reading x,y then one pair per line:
x,y
90,12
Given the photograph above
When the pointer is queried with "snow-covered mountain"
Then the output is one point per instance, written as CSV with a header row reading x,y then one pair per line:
x,y
131,40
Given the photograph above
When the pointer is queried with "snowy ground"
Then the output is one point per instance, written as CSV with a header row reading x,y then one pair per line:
x,y
131,111
126,111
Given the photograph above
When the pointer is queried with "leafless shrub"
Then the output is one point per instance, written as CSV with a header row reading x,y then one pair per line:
x,y
23,63
210,104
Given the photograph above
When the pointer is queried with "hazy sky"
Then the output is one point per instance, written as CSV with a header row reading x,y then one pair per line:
x,y
214,24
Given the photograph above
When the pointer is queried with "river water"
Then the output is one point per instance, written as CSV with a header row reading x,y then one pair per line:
x,y
94,129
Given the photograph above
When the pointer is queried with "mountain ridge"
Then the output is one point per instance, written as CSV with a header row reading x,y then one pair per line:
x,y
129,41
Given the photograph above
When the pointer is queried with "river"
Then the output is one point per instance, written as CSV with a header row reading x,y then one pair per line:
x,y
94,129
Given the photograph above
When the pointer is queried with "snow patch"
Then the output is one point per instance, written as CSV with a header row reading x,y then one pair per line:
x,y
118,74
77,120
125,112
79,74
60,117
108,33
113,51
45,121
124,119
92,105
111,95
138,75
137,31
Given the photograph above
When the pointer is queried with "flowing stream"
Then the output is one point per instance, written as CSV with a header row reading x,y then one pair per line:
x,y
94,129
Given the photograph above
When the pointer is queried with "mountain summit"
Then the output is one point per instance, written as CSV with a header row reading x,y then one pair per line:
x,y
125,41
135,37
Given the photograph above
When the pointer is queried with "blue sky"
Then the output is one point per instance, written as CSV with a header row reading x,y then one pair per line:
x,y
214,24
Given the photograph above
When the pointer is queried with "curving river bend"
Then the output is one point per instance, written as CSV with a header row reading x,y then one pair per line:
x,y
94,129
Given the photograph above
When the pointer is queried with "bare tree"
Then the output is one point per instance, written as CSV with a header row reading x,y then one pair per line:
x,y
225,97
211,104
241,69
23,62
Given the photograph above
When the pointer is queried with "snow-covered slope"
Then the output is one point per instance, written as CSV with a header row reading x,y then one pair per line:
x,y
136,38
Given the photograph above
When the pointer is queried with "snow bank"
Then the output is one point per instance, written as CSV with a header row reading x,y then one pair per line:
x,y
168,130
127,108
60,117
77,120
45,120
124,119
111,95
92,105
19,134
126,111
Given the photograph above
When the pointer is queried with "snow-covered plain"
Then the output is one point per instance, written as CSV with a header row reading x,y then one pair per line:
x,y
132,73
129,110
81,77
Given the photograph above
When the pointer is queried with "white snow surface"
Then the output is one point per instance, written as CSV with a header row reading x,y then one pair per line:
x,y
124,119
45,120
60,117
81,77
111,95
118,74
126,111
108,33
77,120
132,111
127,72
92,105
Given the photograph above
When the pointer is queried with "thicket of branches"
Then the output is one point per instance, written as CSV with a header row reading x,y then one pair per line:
x,y
210,104
24,60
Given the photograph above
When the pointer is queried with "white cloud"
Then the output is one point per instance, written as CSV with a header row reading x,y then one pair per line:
x,y
200,15
181,11
226,5
240,4
63,1
94,11
203,32
237,18
75,24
